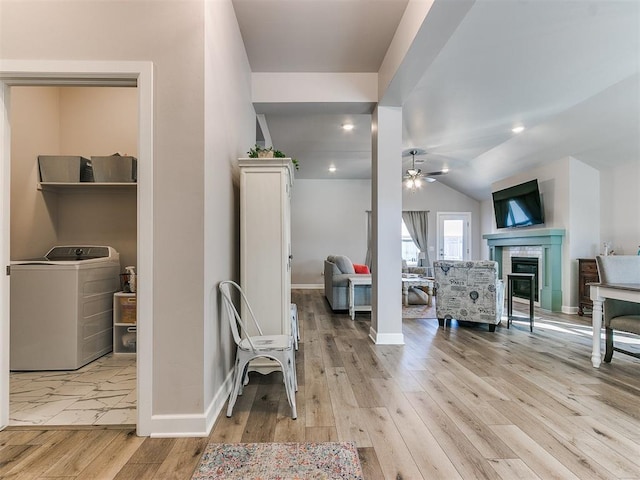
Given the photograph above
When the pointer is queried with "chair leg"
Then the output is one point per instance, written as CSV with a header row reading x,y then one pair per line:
x,y
295,372
492,327
287,362
238,377
441,322
292,388
608,354
295,332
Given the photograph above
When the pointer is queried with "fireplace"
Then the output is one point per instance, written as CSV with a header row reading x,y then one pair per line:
x,y
524,265
550,275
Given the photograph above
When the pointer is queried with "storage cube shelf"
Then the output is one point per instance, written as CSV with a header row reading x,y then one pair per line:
x,y
124,323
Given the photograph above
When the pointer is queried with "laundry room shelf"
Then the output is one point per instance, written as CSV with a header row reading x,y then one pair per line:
x,y
84,186
124,323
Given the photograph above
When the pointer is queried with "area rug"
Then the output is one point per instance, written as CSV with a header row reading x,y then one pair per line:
x,y
418,311
279,461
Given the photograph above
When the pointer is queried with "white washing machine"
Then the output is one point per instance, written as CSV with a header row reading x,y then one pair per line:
x,y
62,307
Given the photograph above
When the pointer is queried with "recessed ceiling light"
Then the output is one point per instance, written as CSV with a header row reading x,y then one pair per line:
x,y
347,126
332,169
517,129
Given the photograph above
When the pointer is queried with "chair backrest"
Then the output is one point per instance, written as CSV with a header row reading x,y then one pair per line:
x,y
466,290
619,268
234,317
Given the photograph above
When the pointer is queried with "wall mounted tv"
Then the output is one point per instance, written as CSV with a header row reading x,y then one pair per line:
x,y
518,206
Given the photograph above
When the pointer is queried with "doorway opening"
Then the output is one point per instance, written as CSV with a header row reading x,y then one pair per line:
x,y
65,364
454,235
15,73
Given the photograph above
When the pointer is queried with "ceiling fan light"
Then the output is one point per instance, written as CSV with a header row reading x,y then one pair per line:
x,y
413,172
445,170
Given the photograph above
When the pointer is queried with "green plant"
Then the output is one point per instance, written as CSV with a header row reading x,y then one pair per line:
x,y
260,151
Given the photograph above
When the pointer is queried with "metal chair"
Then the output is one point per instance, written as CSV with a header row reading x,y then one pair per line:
x,y
295,328
279,348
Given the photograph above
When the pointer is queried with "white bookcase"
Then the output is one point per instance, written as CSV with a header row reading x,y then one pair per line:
x,y
124,323
265,240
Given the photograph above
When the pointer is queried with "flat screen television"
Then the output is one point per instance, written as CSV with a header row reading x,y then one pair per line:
x,y
518,206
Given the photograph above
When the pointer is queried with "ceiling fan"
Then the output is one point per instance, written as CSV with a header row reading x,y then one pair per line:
x,y
414,177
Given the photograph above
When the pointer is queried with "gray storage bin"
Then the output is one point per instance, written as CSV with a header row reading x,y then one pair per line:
x,y
114,169
64,169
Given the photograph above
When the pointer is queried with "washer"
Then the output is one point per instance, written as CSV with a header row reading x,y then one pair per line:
x,y
62,307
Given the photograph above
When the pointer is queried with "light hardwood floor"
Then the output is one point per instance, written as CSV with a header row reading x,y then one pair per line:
x,y
451,403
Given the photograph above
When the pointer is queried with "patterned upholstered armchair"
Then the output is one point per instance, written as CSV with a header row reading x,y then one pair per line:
x,y
468,291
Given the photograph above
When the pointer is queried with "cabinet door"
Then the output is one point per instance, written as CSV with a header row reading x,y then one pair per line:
x,y
265,245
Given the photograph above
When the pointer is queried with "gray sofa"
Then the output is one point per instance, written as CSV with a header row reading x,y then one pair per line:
x,y
337,270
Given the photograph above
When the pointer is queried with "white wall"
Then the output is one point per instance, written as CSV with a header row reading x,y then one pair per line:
x,y
437,197
86,121
35,118
172,36
569,191
229,131
328,218
620,208
583,228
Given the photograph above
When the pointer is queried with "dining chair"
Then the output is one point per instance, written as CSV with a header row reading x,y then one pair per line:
x,y
279,348
619,314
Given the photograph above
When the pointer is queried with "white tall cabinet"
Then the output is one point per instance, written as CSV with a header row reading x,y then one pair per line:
x,y
265,240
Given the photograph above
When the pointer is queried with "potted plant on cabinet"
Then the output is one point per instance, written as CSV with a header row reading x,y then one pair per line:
x,y
259,151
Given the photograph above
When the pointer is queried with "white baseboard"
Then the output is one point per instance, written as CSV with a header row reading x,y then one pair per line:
x,y
386,338
192,425
570,310
307,286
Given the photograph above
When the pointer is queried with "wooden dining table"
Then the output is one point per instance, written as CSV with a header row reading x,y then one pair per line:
x,y
598,293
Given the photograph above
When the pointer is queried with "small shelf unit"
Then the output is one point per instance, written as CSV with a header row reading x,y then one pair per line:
x,y
124,323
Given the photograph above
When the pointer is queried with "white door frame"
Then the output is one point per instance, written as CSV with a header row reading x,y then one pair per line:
x,y
466,216
54,72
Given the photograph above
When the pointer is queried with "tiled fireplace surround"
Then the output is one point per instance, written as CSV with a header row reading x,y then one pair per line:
x,y
546,245
531,251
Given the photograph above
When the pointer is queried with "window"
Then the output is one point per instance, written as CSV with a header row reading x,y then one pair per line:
x,y
409,249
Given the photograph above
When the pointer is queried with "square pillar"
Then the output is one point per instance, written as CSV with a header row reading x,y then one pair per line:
x,y
386,206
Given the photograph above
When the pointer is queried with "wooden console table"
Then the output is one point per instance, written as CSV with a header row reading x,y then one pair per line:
x,y
599,292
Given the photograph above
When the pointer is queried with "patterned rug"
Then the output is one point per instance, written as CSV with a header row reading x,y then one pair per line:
x,y
279,461
419,311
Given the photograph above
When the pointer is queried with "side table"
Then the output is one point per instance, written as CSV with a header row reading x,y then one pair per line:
x,y
353,283
530,277
416,281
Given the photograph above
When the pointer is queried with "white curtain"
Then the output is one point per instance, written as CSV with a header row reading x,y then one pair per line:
x,y
367,259
417,224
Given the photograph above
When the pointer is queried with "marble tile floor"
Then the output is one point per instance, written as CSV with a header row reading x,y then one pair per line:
x,y
100,393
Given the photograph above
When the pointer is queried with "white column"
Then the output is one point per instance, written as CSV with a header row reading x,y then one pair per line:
x,y
386,206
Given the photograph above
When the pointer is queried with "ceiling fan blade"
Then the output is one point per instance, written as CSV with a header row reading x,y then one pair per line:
x,y
439,172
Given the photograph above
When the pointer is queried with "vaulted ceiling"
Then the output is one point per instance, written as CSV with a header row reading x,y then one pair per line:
x,y
567,71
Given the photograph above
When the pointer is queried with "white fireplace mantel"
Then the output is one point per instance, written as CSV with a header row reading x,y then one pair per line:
x,y
550,240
